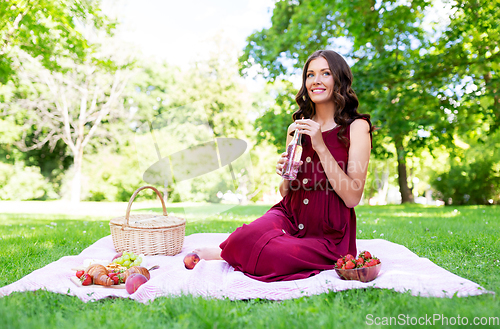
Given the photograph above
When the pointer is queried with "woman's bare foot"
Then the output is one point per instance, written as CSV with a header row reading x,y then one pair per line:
x,y
208,253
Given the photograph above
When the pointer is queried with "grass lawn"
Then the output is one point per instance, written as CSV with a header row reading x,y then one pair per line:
x,y
463,240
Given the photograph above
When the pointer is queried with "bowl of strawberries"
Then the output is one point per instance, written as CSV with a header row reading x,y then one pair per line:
x,y
365,268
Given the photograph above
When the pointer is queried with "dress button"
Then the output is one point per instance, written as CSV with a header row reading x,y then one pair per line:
x,y
301,226
283,230
306,201
308,159
305,180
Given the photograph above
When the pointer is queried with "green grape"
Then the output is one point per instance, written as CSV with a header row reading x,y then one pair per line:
x,y
126,263
133,257
139,260
125,257
119,260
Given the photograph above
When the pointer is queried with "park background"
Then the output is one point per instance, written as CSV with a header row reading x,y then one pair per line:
x,y
80,80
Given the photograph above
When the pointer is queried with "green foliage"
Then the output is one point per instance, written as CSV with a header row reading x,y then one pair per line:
x,y
474,173
19,182
150,93
48,30
214,85
467,57
278,102
474,182
110,175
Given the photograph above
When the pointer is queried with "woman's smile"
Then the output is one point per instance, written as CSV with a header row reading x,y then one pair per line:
x,y
318,90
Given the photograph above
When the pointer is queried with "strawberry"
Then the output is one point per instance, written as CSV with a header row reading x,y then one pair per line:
x,y
365,254
371,262
348,257
340,263
359,262
116,279
378,260
79,274
350,264
86,279
112,274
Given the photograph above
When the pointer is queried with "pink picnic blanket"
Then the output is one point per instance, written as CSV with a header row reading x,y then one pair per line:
x,y
401,270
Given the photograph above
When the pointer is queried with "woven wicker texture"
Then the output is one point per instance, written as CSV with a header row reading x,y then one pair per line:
x,y
148,234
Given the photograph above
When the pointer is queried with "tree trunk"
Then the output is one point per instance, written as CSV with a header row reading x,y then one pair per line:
x,y
76,183
406,193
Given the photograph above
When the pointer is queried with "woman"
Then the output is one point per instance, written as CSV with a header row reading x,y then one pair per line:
x,y
314,224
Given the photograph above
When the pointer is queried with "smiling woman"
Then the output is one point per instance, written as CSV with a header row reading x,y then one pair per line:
x,y
314,224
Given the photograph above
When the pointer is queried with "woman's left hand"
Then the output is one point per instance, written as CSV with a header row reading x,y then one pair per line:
x,y
313,129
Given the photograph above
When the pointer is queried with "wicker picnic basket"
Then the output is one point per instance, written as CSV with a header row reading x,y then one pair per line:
x,y
148,234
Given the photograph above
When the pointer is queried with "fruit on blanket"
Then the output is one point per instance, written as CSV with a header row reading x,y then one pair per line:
x,y
365,254
118,255
350,264
121,277
86,279
100,275
79,274
134,281
116,280
191,260
362,269
371,262
137,269
365,259
127,259
348,257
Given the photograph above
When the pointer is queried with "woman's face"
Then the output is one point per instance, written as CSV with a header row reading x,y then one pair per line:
x,y
319,81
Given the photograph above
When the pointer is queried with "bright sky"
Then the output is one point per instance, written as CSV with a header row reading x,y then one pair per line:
x,y
182,31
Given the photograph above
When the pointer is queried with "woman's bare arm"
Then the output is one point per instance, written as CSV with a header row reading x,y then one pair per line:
x,y
350,186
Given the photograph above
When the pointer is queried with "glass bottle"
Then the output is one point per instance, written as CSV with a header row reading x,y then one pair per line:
x,y
294,154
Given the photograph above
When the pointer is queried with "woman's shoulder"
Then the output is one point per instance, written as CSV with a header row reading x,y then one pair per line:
x,y
360,124
360,130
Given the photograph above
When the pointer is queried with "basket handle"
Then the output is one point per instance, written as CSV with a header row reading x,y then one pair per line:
x,y
127,215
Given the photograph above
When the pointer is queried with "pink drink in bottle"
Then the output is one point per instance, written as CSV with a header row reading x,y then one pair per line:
x,y
294,153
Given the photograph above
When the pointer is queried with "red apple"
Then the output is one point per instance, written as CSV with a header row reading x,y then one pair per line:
x,y
191,260
134,282
118,255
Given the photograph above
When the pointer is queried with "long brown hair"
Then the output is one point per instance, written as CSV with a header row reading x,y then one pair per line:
x,y
344,97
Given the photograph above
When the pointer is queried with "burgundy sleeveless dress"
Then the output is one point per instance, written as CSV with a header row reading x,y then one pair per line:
x,y
304,233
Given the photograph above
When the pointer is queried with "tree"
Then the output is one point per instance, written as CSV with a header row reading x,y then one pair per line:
x,y
278,102
47,30
69,106
387,43
467,59
179,110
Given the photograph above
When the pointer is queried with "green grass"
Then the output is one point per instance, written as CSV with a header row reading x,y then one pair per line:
x,y
463,240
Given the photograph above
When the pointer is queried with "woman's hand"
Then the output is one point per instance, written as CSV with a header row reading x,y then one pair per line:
x,y
313,129
280,166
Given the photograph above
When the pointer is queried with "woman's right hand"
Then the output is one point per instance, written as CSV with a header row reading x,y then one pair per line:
x,y
281,163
